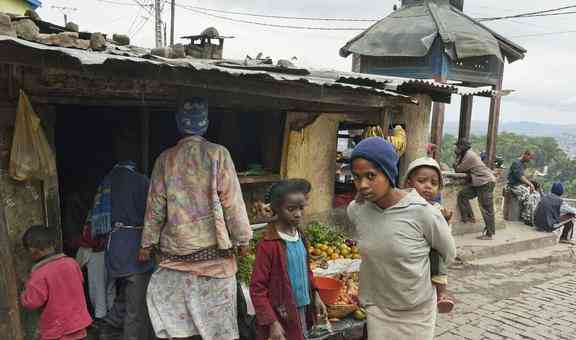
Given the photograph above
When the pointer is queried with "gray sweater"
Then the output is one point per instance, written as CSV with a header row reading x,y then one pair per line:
x,y
395,245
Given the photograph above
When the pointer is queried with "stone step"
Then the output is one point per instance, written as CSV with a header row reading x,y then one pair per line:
x,y
461,228
514,238
556,253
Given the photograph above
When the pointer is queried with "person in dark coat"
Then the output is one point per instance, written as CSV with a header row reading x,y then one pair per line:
x,y
552,210
118,216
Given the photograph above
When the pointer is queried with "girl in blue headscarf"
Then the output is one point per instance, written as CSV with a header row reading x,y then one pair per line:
x,y
397,229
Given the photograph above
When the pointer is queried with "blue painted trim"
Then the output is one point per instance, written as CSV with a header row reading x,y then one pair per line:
x,y
34,3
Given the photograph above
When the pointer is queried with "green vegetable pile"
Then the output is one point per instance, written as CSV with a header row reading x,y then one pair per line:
x,y
245,264
317,232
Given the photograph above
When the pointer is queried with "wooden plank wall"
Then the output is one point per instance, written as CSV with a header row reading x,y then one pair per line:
x,y
22,205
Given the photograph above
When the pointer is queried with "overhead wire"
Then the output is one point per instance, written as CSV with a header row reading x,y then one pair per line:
x,y
280,16
272,25
542,34
136,31
147,8
205,11
529,14
133,23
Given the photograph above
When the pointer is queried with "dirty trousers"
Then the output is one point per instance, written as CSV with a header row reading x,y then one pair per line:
x,y
485,194
129,311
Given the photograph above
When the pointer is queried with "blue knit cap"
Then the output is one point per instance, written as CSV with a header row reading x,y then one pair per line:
x,y
381,153
557,189
192,117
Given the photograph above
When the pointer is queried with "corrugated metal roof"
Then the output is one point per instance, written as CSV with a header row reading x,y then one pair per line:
x,y
379,84
140,55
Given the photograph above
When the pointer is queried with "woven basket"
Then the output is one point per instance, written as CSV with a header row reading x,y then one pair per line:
x,y
340,311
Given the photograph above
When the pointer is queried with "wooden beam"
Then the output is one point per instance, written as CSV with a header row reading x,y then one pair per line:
x,y
126,80
494,122
465,123
437,129
10,324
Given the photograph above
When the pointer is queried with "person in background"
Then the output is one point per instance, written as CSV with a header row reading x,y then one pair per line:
x,y
195,218
552,210
397,229
520,186
480,185
55,286
118,215
534,199
281,287
92,256
425,176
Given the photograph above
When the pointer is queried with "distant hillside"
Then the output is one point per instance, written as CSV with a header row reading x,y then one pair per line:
x,y
521,128
564,134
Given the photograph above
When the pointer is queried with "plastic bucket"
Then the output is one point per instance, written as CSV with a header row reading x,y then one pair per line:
x,y
328,288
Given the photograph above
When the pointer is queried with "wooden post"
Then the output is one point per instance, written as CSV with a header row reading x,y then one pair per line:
x,y
10,325
494,121
437,129
145,139
310,153
465,123
416,118
385,121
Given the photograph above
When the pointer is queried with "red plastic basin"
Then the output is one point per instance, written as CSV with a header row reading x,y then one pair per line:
x,y
328,288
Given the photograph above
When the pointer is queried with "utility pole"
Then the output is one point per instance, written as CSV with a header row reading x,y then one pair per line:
x,y
164,26
64,11
158,23
172,14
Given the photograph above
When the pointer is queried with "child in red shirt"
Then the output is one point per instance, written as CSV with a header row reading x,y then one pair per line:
x,y
55,286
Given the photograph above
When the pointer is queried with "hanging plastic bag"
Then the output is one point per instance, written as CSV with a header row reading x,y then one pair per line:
x,y
31,157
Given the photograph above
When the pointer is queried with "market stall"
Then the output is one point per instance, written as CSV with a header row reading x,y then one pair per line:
x,y
335,261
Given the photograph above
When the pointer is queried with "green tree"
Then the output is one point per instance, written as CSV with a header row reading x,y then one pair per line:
x,y
510,147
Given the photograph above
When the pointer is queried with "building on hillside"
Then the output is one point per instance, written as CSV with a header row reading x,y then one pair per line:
x,y
19,7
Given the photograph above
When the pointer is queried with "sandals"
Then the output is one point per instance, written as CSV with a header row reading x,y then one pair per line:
x,y
445,305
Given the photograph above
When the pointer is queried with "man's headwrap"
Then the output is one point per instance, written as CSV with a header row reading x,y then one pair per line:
x,y
192,117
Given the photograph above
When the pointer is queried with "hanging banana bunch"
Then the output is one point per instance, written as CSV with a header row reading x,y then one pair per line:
x,y
373,131
398,137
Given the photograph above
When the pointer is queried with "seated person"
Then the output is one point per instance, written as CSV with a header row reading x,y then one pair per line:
x,y
552,210
520,186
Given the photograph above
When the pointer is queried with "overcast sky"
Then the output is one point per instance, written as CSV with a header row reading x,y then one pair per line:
x,y
544,81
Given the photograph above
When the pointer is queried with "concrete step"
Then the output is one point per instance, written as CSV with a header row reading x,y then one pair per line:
x,y
514,238
461,228
557,253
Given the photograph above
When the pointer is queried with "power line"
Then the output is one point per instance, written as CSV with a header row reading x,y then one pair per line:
x,y
140,27
528,14
271,25
147,8
279,16
133,23
543,34
204,11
